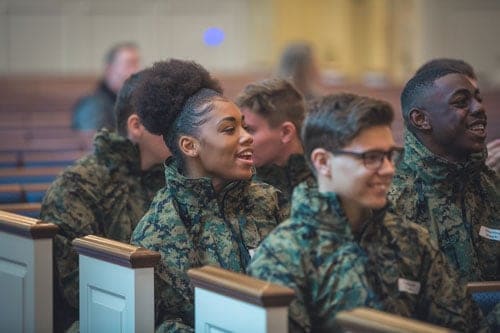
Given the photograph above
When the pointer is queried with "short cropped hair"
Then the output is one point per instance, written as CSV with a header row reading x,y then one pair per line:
x,y
458,65
274,99
124,107
418,87
110,56
335,120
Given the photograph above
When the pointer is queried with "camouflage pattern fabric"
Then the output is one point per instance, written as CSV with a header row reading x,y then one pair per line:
x,y
191,225
285,178
105,193
457,202
316,256
390,264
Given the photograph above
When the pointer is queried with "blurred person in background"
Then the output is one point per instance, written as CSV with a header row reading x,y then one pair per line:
x,y
298,64
95,111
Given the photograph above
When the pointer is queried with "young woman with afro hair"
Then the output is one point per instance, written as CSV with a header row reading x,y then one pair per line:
x,y
210,212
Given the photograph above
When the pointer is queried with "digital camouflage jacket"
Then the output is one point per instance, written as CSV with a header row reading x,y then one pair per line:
x,y
459,204
105,194
318,258
191,225
390,264
286,178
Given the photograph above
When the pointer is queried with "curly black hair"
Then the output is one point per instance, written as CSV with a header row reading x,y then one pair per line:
x,y
161,100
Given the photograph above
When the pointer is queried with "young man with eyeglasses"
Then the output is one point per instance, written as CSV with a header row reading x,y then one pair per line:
x,y
341,249
443,182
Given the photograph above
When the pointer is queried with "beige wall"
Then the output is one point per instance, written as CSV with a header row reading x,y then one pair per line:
x,y
392,37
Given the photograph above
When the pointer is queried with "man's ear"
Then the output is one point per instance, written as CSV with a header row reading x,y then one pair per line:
x,y
320,159
420,120
288,132
134,127
189,145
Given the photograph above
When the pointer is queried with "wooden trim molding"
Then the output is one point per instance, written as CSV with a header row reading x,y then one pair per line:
x,y
483,286
370,320
116,252
240,286
26,226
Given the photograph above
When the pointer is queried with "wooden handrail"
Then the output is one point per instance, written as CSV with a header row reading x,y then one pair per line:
x,y
240,286
26,226
483,286
9,172
370,320
115,252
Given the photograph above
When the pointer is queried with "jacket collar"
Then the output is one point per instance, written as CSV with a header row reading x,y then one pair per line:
x,y
295,170
435,169
319,209
117,152
200,187
324,210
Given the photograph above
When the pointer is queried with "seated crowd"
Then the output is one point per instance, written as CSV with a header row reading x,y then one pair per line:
x,y
298,194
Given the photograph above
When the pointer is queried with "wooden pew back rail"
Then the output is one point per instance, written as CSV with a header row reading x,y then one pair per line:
x,y
25,274
231,302
116,286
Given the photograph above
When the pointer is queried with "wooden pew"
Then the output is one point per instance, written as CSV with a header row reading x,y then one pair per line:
x,y
11,193
9,159
365,320
29,175
116,286
231,302
25,274
34,192
50,158
31,209
45,144
485,293
19,193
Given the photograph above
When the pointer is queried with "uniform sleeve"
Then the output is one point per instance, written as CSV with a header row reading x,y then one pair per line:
x,y
493,319
447,300
322,287
69,203
162,231
269,267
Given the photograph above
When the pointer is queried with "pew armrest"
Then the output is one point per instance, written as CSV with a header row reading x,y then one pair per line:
x,y
370,320
115,252
26,226
241,287
483,286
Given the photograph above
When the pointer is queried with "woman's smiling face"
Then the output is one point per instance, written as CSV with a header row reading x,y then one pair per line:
x,y
225,151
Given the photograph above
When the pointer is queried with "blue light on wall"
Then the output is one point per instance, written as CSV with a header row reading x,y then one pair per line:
x,y
213,36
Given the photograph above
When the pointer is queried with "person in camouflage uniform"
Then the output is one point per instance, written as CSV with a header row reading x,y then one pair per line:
x,y
443,182
460,66
210,212
341,248
105,193
274,111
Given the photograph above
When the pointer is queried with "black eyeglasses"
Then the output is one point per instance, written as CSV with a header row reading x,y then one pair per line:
x,y
373,159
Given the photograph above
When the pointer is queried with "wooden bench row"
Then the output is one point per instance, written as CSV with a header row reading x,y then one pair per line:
x,y
29,159
43,144
29,175
20,193
117,293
